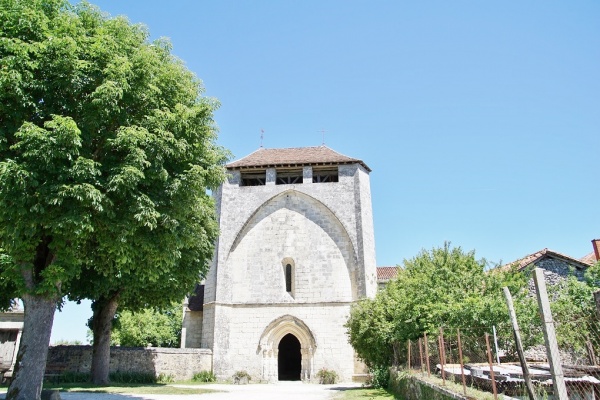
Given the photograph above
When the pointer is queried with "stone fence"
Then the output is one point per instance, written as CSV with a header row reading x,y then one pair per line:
x,y
182,364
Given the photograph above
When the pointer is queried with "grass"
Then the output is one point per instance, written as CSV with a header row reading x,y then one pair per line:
x,y
365,394
128,389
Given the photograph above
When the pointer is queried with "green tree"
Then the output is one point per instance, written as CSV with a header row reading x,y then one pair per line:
x,y
574,312
106,151
151,326
443,287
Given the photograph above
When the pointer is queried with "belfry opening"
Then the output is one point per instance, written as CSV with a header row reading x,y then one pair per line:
x,y
289,359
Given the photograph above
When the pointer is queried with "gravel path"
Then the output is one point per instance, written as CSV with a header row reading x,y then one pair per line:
x,y
276,391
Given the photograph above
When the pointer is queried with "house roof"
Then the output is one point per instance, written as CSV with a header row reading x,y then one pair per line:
x,y
547,253
589,259
386,273
294,157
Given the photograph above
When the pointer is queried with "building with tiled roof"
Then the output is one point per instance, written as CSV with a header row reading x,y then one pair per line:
x,y
11,329
296,249
539,256
385,274
594,256
294,157
556,266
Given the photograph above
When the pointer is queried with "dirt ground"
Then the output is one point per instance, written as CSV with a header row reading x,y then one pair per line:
x,y
276,391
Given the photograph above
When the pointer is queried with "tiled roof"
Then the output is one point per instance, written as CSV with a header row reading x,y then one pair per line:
x,y
294,157
386,273
196,301
589,259
537,256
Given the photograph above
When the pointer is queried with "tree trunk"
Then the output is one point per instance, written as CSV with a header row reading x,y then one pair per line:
x,y
28,376
104,311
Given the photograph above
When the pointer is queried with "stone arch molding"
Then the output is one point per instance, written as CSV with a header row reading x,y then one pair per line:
x,y
268,346
314,211
292,194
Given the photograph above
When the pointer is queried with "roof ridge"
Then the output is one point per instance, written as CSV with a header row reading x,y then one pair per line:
x,y
311,155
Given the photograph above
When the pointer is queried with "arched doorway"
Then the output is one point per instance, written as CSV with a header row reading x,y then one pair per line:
x,y
286,345
289,359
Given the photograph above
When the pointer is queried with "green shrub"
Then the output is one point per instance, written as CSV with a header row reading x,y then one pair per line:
x,y
204,376
380,377
327,377
69,377
164,378
241,377
132,377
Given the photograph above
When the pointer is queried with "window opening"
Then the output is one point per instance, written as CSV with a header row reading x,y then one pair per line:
x,y
289,177
288,278
254,178
325,175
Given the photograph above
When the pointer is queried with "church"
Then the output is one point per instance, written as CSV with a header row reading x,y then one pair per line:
x,y
296,250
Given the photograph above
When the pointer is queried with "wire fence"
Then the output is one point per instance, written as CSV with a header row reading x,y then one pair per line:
x,y
486,358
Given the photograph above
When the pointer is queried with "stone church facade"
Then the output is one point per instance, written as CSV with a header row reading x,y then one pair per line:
x,y
296,250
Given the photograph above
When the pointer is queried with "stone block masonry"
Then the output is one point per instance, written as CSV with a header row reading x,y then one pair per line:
x,y
182,364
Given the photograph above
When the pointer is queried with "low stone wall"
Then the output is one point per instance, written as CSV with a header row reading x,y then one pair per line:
x,y
182,364
410,387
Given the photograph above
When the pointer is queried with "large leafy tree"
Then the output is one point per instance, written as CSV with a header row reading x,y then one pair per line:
x,y
106,151
159,327
444,287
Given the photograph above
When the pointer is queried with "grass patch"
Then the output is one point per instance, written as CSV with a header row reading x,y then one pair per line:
x,y
364,394
128,389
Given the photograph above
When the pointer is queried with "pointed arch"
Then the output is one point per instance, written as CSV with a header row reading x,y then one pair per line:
x,y
308,200
271,337
283,227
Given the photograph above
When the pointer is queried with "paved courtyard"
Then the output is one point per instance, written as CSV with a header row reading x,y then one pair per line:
x,y
277,391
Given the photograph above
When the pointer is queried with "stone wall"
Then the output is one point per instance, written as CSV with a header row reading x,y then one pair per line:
x,y
182,364
410,387
191,331
246,345
555,271
325,232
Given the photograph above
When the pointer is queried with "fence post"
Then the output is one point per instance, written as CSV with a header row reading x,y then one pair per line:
x,y
427,354
442,353
590,350
408,359
462,368
517,335
489,354
496,344
549,335
421,353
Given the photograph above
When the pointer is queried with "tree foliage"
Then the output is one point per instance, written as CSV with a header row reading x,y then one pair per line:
x,y
107,149
574,311
151,326
443,287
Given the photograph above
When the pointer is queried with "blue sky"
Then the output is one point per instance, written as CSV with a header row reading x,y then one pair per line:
x,y
480,120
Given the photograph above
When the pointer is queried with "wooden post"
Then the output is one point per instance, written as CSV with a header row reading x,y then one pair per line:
x,y
590,351
427,354
460,359
442,352
558,378
597,301
408,359
518,343
421,353
496,344
491,364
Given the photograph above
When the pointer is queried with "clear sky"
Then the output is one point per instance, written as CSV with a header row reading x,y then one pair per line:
x,y
480,120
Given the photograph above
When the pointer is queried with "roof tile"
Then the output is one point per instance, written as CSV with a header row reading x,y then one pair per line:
x,y
386,273
298,156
